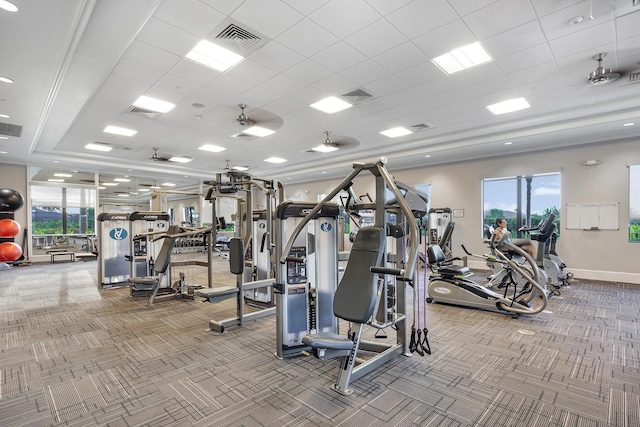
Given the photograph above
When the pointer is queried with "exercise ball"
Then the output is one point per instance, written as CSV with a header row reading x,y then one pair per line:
x,y
9,228
10,251
10,200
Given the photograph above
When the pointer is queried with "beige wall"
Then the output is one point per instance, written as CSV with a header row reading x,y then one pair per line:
x,y
602,255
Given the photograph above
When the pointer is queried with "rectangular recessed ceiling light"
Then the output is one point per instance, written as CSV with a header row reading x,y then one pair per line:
x,y
168,184
181,159
462,58
102,188
98,147
55,180
110,184
5,79
62,175
123,195
258,131
143,190
213,56
396,132
331,105
240,168
120,131
122,180
153,104
275,160
508,106
212,148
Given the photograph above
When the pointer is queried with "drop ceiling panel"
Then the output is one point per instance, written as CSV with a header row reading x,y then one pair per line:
x,y
342,18
270,17
137,71
627,26
444,39
384,34
194,15
511,41
499,17
401,57
525,59
306,38
583,41
167,37
308,72
365,72
419,17
276,56
465,7
338,57
251,71
151,56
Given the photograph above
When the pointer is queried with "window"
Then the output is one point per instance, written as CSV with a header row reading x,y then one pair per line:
x,y
634,203
521,200
58,210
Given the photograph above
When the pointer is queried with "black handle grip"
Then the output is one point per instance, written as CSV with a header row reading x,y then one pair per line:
x,y
387,270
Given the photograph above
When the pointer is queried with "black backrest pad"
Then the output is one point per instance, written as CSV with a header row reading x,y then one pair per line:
x,y
356,295
435,254
164,256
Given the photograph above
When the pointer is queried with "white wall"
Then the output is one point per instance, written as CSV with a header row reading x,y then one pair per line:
x,y
600,255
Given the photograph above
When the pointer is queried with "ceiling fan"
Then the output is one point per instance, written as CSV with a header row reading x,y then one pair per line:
x,y
602,75
156,158
261,123
334,143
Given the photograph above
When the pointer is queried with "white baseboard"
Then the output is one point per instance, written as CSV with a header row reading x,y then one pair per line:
x,y
578,273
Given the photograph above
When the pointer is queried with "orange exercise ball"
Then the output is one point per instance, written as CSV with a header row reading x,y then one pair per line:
x,y
10,251
9,228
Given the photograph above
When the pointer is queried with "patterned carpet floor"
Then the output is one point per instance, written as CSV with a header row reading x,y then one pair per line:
x,y
73,354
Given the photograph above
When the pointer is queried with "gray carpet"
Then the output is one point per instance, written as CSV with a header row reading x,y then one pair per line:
x,y
71,354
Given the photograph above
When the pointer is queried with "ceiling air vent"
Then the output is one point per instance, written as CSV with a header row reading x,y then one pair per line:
x,y
142,112
238,38
10,130
634,77
357,96
421,127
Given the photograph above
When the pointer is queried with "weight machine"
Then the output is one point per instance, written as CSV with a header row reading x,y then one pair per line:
x,y
372,290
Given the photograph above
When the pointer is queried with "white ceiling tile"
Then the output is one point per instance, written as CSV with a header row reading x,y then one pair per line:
x,y
194,71
547,71
308,72
120,82
335,84
385,7
465,7
282,84
276,56
307,38
545,7
376,38
386,85
136,70
365,72
499,17
342,18
176,84
251,71
421,73
438,86
525,59
627,26
477,74
419,17
444,39
305,7
230,84
584,41
226,7
498,83
556,25
514,40
270,17
167,37
338,57
451,97
193,15
401,57
151,56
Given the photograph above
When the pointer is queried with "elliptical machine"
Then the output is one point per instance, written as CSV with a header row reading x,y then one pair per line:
x,y
450,283
546,257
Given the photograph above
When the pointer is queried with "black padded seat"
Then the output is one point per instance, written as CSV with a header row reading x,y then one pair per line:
x,y
455,270
436,256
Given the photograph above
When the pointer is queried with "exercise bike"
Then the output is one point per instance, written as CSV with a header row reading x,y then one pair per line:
x,y
450,283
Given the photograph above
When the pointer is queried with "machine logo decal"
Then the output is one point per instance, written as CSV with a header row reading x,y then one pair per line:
x,y
325,226
118,234
160,225
443,290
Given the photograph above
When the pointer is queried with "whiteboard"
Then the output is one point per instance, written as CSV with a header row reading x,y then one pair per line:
x,y
593,216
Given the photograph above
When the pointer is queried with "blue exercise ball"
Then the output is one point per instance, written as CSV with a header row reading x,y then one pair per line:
x,y
10,200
